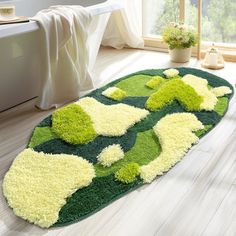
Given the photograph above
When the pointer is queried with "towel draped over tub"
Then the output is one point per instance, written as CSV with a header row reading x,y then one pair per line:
x,y
65,54
70,47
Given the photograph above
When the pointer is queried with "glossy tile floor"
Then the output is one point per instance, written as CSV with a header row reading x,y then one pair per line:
x,y
197,197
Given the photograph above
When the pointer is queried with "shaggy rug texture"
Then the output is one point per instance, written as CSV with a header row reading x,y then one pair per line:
x,y
112,141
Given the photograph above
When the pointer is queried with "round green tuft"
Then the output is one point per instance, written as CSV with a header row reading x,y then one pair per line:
x,y
128,173
118,95
73,125
155,82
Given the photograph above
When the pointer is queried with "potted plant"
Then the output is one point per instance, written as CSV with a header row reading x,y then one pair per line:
x,y
180,39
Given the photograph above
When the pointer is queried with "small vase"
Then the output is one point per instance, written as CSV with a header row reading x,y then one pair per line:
x,y
180,55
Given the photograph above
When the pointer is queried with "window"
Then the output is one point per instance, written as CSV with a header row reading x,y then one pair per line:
x,y
218,21
157,13
191,12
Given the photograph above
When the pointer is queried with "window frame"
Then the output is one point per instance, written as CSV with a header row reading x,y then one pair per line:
x,y
155,42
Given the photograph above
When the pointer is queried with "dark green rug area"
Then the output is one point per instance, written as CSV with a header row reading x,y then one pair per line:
x,y
88,151
102,190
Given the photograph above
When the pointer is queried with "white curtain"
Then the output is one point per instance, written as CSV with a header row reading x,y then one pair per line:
x,y
96,32
71,38
125,26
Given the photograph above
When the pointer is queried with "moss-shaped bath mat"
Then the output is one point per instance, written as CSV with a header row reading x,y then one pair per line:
x,y
112,141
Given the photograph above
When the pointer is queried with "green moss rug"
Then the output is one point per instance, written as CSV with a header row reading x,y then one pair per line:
x,y
112,141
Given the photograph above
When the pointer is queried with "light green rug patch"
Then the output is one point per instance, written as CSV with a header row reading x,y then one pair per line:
x,y
221,106
136,85
41,135
128,173
146,149
155,82
201,132
73,125
209,86
175,89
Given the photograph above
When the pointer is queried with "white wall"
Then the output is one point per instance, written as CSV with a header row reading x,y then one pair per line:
x,y
31,7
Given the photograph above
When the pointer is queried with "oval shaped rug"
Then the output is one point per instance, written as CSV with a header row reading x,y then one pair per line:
x,y
112,141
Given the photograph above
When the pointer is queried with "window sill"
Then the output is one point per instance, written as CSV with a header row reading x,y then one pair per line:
x,y
157,44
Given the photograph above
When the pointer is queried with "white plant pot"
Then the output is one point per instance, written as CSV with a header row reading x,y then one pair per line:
x,y
180,55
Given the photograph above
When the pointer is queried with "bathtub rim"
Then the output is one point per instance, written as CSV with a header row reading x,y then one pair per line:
x,y
9,30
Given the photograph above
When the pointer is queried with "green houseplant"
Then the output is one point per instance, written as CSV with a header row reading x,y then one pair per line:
x,y
180,39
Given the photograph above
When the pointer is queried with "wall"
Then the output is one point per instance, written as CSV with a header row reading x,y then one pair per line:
x,y
31,7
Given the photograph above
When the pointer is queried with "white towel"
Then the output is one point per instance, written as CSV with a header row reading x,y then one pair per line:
x,y
65,54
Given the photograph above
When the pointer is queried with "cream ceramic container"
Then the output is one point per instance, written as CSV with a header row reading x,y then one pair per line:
x,y
7,12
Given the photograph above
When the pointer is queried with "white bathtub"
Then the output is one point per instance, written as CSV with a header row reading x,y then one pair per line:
x,y
20,70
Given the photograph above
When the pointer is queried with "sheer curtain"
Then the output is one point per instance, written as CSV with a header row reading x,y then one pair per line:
x,y
124,27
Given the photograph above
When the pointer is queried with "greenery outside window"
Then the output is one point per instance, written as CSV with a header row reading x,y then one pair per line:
x,y
215,20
